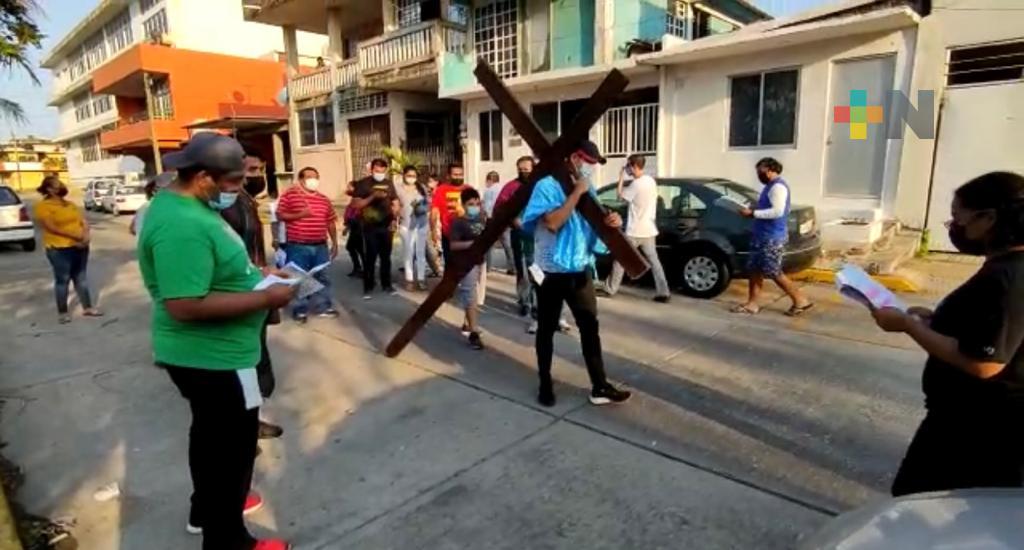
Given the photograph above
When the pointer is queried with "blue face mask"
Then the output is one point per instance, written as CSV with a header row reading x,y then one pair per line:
x,y
473,211
223,201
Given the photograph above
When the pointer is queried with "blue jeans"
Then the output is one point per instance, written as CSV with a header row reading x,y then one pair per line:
x,y
69,265
307,257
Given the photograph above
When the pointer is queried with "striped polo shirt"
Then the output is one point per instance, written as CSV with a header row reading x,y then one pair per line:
x,y
311,229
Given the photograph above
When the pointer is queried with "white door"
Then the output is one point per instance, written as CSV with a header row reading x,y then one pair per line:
x,y
982,130
855,165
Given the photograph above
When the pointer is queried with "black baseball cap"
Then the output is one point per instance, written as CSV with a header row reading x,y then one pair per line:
x,y
588,149
209,151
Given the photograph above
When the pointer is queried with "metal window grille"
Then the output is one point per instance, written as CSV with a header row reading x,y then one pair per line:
x,y
95,50
90,146
156,25
495,34
83,108
675,20
631,130
102,104
119,32
354,103
146,5
408,13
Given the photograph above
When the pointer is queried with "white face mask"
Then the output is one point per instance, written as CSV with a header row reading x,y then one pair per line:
x,y
410,180
379,176
312,184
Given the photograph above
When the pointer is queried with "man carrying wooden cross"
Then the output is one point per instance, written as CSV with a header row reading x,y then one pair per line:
x,y
564,265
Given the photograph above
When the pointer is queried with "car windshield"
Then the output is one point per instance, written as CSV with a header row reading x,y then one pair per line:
x,y
131,190
102,187
8,197
733,190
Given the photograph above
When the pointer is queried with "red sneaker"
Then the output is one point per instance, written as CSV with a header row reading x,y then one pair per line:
x,y
273,544
253,503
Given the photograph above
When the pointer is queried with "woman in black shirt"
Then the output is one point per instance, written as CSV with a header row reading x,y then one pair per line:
x,y
973,382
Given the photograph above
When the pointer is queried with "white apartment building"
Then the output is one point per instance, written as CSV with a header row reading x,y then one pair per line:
x,y
113,26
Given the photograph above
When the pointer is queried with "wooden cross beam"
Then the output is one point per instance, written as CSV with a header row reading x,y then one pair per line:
x,y
552,162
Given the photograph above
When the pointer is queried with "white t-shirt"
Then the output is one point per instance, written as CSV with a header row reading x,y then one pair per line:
x,y
491,197
642,196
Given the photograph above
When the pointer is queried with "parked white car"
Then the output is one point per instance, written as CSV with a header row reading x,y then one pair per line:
x,y
124,198
94,193
15,225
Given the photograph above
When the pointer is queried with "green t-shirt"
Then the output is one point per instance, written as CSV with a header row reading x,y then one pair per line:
x,y
186,250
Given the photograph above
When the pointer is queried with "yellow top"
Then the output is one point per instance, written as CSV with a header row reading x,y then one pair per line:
x,y
64,216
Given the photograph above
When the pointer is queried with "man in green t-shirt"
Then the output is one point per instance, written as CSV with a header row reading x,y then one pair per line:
x,y
206,331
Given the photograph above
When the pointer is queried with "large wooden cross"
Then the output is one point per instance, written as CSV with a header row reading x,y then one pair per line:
x,y
552,161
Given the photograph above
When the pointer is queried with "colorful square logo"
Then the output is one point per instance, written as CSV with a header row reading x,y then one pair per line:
x,y
858,114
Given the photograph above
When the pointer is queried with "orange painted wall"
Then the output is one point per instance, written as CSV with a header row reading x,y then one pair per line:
x,y
203,85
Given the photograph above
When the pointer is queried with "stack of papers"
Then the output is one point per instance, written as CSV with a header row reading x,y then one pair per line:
x,y
855,284
295,276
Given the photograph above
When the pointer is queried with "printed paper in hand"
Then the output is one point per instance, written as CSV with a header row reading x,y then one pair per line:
x,y
307,284
855,284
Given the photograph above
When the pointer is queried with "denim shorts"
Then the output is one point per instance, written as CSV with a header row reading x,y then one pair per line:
x,y
766,258
466,291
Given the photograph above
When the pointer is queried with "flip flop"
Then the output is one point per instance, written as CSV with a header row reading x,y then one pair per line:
x,y
798,311
743,309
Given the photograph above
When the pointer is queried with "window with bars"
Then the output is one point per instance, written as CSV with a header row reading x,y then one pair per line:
x,y
83,107
316,126
630,130
95,50
491,136
989,63
146,5
90,146
156,25
762,109
408,12
119,32
458,12
163,103
102,104
77,66
675,20
495,34
362,102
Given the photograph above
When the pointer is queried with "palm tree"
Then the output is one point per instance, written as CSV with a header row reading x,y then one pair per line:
x,y
18,34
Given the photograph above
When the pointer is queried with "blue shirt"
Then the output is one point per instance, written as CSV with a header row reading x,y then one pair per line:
x,y
571,249
774,230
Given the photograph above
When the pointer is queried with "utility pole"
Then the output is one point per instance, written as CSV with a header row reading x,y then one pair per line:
x,y
147,82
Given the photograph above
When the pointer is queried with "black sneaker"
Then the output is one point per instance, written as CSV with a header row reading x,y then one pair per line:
x,y
391,290
356,274
602,293
270,431
662,299
546,396
608,395
475,342
329,313
301,318
524,310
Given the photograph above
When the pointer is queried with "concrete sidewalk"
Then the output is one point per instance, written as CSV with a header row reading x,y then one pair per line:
x,y
444,447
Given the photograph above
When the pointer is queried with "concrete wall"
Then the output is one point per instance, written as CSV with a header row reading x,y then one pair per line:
x,y
637,19
218,26
695,101
332,161
513,146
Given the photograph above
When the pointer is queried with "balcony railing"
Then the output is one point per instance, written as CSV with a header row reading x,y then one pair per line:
x,y
324,81
143,116
632,129
411,45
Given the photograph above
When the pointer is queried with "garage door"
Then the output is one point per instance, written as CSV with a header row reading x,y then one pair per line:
x,y
982,125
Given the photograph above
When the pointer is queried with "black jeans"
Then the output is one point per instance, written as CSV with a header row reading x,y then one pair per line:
x,y
377,242
576,290
221,453
516,236
960,450
354,245
265,368
69,266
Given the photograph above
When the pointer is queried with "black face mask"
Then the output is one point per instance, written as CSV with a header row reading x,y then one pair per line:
x,y
958,236
524,176
456,181
763,178
254,185
62,192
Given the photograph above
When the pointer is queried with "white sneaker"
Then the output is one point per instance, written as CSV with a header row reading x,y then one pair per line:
x,y
564,325
532,329
193,530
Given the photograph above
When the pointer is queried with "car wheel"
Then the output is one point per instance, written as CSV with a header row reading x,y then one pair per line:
x,y
704,273
29,245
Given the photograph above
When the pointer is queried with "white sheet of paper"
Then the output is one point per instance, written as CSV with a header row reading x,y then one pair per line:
x,y
538,274
272,279
858,279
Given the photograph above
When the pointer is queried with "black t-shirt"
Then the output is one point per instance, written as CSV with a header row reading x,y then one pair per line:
x,y
986,316
378,212
466,229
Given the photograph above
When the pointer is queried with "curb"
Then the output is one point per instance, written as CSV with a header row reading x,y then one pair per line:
x,y
896,283
8,529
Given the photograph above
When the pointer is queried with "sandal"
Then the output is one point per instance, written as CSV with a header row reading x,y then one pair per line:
x,y
797,311
745,310
92,312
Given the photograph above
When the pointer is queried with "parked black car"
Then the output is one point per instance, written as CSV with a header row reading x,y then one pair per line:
x,y
703,241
